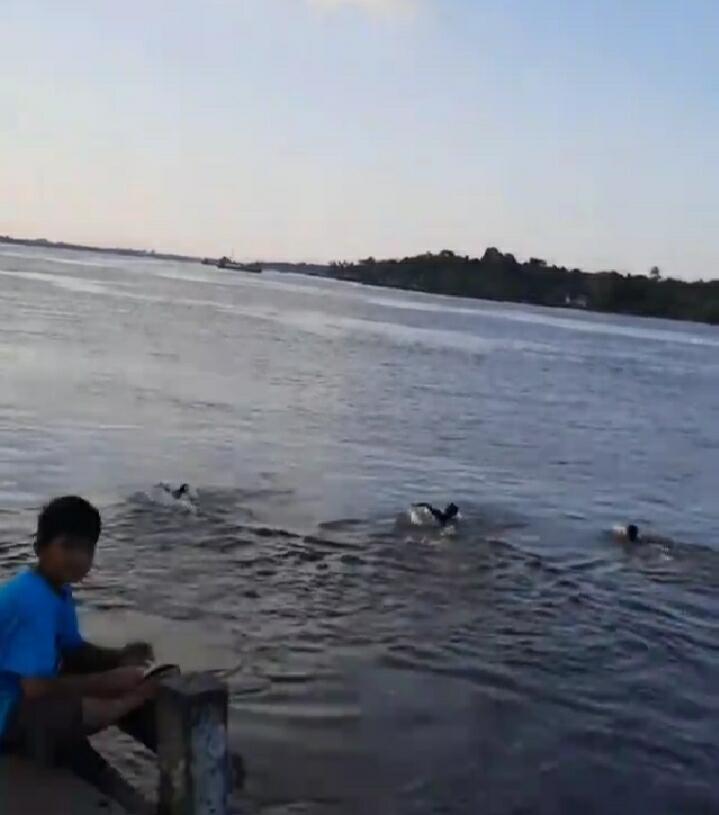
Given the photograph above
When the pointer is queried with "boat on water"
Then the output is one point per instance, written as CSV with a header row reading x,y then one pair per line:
x,y
228,263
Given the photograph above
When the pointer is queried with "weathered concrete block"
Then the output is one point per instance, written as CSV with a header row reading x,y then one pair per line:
x,y
192,746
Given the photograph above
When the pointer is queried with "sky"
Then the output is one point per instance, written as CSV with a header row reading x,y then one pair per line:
x,y
585,132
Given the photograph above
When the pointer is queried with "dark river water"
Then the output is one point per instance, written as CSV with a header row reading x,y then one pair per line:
x,y
527,664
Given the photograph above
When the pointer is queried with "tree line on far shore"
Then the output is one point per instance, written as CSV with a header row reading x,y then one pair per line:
x,y
500,276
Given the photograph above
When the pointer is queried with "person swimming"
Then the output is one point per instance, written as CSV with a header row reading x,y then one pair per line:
x,y
183,489
176,493
448,516
632,534
627,533
167,495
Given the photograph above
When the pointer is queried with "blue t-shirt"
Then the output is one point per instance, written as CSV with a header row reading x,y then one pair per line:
x,y
37,623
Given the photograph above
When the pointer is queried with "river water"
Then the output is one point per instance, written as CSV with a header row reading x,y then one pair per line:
x,y
528,664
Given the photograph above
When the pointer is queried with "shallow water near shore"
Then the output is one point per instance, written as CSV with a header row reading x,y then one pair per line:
x,y
526,664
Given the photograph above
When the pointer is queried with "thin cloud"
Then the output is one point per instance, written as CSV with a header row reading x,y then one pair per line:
x,y
373,6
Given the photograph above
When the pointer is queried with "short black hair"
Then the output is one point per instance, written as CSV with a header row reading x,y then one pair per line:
x,y
69,515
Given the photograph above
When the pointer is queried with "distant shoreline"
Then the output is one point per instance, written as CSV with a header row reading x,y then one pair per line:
x,y
43,243
496,276
500,277
106,250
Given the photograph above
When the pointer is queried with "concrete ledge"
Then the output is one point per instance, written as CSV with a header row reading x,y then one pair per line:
x,y
192,749
26,789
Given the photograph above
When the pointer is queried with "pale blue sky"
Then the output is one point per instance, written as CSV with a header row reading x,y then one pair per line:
x,y
583,131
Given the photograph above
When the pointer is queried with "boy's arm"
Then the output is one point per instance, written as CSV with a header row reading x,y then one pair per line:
x,y
107,684
25,654
86,657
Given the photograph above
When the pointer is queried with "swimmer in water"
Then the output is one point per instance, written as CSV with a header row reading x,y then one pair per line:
x,y
628,533
182,497
631,534
450,515
183,489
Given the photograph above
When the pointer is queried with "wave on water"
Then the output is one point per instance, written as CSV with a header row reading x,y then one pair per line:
x,y
308,320
591,323
54,259
67,282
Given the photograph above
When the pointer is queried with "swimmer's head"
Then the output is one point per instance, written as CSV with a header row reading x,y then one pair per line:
x,y
633,533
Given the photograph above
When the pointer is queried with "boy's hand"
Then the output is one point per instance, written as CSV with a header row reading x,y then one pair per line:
x,y
147,691
122,680
137,653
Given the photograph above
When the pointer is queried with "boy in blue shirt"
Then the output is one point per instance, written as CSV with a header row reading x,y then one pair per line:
x,y
55,686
